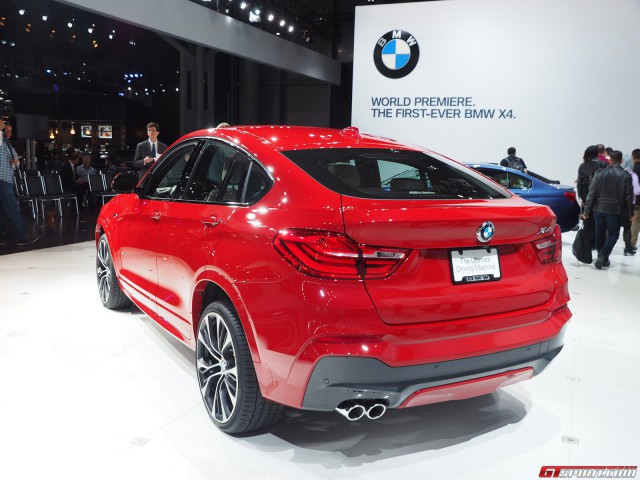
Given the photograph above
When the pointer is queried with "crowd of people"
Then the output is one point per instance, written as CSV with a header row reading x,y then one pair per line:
x,y
74,169
609,191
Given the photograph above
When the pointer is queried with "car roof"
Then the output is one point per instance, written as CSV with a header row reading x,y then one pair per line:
x,y
285,137
494,166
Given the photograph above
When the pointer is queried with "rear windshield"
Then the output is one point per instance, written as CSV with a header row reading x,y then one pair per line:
x,y
392,174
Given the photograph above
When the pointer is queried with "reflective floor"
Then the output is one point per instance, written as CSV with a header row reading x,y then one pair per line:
x,y
54,229
90,393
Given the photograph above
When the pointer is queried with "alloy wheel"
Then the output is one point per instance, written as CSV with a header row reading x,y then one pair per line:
x,y
217,368
103,271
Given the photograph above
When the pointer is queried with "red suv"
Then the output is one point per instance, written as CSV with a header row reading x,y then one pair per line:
x,y
325,270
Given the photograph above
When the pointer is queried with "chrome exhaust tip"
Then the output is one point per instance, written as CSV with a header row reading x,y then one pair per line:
x,y
351,411
376,410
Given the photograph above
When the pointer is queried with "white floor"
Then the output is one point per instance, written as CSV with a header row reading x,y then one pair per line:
x,y
90,393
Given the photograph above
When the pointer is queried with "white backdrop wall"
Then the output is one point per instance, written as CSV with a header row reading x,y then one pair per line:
x,y
567,70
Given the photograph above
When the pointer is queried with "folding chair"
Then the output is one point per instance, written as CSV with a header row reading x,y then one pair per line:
x,y
98,187
53,187
35,188
21,194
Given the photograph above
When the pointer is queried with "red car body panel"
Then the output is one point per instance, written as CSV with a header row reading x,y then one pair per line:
x,y
469,389
167,253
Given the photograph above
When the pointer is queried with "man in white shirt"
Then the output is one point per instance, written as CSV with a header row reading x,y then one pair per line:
x,y
147,152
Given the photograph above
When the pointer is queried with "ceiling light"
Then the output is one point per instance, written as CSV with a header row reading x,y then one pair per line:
x,y
290,28
70,25
254,17
21,11
90,29
45,18
243,5
270,17
282,23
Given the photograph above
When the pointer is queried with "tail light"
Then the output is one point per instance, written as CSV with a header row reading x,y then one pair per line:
x,y
570,195
335,255
549,248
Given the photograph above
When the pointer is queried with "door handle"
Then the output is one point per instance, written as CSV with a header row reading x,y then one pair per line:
x,y
155,216
212,221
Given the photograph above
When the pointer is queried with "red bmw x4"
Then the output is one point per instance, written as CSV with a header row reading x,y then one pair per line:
x,y
326,270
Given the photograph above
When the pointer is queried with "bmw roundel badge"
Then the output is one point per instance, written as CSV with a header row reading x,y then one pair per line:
x,y
396,54
485,232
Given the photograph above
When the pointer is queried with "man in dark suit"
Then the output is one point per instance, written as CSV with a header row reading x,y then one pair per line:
x,y
68,171
147,152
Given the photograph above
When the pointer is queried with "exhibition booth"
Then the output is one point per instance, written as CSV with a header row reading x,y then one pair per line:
x,y
89,392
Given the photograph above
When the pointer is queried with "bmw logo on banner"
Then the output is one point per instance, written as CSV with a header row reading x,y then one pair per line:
x,y
396,54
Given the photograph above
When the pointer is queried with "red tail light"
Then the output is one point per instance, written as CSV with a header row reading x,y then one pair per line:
x,y
570,195
549,248
335,255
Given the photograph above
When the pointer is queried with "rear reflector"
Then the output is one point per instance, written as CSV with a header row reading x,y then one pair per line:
x,y
335,255
549,248
467,389
570,195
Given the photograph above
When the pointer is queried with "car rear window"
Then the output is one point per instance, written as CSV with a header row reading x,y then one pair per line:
x,y
392,174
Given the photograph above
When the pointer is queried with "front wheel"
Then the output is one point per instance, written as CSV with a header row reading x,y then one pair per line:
x,y
226,375
108,287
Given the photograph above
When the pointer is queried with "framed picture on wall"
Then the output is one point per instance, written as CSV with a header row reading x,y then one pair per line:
x,y
105,131
85,131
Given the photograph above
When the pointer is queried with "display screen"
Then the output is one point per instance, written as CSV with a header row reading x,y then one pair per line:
x,y
105,131
85,131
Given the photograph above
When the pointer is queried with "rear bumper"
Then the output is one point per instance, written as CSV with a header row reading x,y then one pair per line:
x,y
337,379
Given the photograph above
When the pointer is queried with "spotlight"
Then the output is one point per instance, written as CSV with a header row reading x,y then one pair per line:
x,y
243,5
21,11
290,28
45,18
254,15
282,23
70,25
270,17
90,29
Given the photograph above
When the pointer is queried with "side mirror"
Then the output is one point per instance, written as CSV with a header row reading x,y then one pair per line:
x,y
125,182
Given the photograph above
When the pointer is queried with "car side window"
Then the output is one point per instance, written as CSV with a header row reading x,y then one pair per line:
x,y
234,184
208,176
498,176
257,184
519,182
171,173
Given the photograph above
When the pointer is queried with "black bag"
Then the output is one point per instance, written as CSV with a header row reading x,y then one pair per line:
x,y
582,246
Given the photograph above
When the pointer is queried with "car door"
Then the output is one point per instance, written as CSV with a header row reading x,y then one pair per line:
x,y
190,228
140,227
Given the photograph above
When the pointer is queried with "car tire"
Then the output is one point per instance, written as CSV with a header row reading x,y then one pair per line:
x,y
226,375
109,290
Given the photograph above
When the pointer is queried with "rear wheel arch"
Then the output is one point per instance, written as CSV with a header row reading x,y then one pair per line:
x,y
208,291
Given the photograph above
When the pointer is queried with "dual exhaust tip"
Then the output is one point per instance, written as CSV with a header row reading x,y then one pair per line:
x,y
354,410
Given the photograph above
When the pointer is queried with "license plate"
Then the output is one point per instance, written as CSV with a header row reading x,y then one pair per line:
x,y
475,265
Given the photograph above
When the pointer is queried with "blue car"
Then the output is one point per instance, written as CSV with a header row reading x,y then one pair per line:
x,y
538,189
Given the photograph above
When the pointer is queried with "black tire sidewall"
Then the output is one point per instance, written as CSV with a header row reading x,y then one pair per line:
x,y
115,287
244,375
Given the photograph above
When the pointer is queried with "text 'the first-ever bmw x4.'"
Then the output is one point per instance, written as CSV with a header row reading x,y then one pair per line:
x,y
325,269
